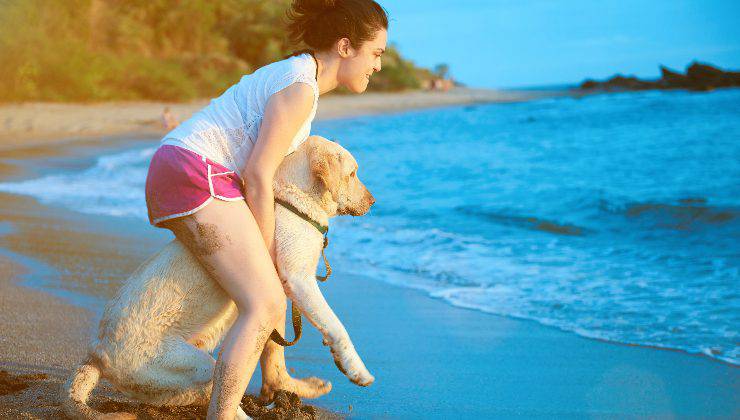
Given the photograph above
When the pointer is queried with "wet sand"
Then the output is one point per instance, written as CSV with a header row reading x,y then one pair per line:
x,y
430,359
47,321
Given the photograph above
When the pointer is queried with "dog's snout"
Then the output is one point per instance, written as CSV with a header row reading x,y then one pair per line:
x,y
372,199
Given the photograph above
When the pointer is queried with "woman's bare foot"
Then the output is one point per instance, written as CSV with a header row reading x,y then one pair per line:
x,y
312,387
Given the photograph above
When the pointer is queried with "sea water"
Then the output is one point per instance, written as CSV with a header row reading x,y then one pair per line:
x,y
614,217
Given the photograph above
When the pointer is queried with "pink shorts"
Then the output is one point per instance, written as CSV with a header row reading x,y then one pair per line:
x,y
181,182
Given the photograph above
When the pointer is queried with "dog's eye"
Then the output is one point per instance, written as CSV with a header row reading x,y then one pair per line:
x,y
352,174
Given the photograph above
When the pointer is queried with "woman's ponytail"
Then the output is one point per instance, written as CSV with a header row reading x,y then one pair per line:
x,y
319,23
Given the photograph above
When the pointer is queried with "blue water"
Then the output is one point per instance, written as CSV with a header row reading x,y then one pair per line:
x,y
615,216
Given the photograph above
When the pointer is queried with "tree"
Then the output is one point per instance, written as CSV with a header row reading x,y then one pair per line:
x,y
442,70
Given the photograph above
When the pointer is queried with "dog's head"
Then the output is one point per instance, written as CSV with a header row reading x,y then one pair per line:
x,y
327,173
334,171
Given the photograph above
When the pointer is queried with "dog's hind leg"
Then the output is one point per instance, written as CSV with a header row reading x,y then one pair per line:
x,y
78,389
180,375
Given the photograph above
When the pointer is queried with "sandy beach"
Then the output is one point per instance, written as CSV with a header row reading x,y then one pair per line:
x,y
430,359
48,123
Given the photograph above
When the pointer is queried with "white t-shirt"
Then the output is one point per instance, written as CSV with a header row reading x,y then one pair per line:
x,y
226,130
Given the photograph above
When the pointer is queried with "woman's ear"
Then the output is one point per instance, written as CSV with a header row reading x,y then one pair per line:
x,y
325,169
344,48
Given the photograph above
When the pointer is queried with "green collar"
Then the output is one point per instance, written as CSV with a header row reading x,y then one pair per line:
x,y
322,229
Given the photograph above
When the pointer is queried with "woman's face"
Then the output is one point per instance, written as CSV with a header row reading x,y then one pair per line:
x,y
356,69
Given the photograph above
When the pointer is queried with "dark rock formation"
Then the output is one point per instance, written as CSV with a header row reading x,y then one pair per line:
x,y
672,78
700,77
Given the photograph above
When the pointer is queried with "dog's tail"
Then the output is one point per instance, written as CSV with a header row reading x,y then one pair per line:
x,y
78,389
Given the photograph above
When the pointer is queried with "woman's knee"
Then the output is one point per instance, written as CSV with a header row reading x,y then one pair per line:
x,y
267,307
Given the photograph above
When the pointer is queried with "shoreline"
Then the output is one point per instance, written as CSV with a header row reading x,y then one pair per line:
x,y
39,123
495,366
491,365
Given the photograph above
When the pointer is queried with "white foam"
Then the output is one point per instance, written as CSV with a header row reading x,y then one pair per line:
x,y
113,186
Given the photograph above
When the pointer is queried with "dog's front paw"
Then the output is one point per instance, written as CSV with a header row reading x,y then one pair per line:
x,y
350,364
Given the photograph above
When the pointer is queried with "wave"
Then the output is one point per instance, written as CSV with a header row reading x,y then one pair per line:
x,y
495,301
113,186
612,294
555,286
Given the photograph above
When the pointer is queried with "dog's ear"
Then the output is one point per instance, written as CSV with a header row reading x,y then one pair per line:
x,y
325,168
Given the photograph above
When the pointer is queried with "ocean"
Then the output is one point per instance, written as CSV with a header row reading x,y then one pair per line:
x,y
614,217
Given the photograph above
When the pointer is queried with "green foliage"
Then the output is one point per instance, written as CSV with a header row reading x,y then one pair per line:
x,y
92,50
255,30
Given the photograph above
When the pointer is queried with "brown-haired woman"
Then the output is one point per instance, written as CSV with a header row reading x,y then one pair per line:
x,y
195,179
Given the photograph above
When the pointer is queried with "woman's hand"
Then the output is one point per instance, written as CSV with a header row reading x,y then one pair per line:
x,y
285,113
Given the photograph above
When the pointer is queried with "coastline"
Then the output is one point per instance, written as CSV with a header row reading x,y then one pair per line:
x,y
34,124
475,364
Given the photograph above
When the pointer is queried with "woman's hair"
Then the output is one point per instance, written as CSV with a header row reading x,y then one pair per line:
x,y
320,23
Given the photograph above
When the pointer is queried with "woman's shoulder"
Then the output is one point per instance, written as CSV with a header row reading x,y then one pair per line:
x,y
281,74
297,65
254,90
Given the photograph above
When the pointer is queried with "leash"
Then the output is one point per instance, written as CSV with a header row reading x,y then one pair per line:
x,y
295,312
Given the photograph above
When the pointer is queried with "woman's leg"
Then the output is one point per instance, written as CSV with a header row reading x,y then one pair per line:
x,y
226,239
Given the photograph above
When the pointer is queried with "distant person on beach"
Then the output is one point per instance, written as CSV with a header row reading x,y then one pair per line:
x,y
210,181
169,121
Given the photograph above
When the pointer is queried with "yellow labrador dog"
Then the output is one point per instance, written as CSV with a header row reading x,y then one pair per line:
x,y
157,334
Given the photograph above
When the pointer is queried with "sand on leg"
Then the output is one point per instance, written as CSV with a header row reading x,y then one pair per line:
x,y
226,240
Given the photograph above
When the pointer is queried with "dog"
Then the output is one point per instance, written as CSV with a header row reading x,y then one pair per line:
x,y
156,336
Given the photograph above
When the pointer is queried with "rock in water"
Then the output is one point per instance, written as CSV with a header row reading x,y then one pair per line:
x,y
699,76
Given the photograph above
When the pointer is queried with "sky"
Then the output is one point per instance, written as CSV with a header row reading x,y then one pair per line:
x,y
509,43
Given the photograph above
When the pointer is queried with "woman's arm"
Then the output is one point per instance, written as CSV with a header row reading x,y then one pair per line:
x,y
285,112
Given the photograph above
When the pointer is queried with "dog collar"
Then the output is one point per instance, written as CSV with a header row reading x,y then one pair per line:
x,y
323,229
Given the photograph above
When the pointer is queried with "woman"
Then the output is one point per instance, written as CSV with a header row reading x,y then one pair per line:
x,y
195,179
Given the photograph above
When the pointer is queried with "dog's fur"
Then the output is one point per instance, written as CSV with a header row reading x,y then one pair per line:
x,y
157,334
